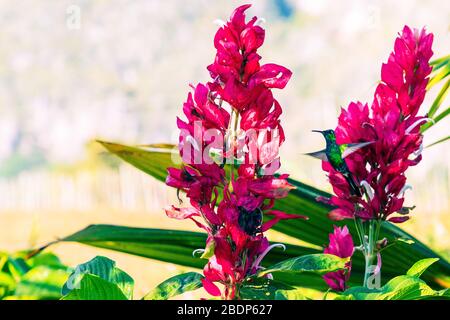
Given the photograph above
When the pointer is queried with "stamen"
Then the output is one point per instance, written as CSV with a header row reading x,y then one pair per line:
x,y
415,124
197,251
419,152
405,187
265,252
368,188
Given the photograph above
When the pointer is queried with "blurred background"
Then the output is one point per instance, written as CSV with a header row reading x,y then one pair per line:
x,y
73,71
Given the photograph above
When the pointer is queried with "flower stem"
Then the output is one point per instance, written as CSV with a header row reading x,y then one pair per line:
x,y
368,244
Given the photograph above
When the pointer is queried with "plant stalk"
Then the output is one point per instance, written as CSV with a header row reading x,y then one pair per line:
x,y
368,245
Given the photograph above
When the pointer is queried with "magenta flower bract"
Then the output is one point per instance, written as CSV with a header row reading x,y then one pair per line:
x,y
341,245
239,106
392,124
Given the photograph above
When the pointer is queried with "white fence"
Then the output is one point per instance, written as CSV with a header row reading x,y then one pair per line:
x,y
128,189
124,189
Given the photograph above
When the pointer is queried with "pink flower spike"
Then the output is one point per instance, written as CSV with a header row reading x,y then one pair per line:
x,y
341,245
392,124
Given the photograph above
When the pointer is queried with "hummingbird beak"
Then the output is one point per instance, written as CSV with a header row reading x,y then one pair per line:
x,y
317,131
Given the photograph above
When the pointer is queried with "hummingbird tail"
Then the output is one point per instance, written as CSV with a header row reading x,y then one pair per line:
x,y
354,189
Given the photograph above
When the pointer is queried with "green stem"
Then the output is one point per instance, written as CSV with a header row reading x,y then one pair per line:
x,y
370,249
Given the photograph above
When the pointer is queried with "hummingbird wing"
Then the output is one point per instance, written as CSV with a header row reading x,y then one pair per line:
x,y
348,149
321,155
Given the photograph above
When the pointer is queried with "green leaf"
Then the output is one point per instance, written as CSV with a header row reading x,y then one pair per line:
x,y
7,281
359,293
439,74
396,260
438,141
421,266
296,294
440,62
47,259
103,268
175,286
177,247
153,159
3,260
17,267
405,288
164,245
439,99
92,287
42,282
209,250
436,119
255,288
316,263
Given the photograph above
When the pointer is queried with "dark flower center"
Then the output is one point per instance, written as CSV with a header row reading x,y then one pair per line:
x,y
250,221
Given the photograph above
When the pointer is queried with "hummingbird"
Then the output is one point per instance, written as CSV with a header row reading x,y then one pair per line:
x,y
335,154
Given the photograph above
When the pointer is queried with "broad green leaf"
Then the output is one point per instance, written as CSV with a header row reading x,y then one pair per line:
x,y
307,280
17,267
166,245
3,260
177,247
42,282
45,259
261,288
175,286
420,266
104,268
405,288
296,294
396,260
155,158
445,293
316,263
359,293
7,281
20,298
92,287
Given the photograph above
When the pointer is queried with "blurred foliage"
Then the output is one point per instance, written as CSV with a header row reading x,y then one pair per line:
x,y
38,278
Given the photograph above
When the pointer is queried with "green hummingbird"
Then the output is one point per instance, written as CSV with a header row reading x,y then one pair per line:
x,y
335,154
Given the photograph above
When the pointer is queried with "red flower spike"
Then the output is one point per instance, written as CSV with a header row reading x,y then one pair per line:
x,y
236,243
393,126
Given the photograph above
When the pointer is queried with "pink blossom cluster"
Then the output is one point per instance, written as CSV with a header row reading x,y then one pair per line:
x,y
341,245
392,124
230,201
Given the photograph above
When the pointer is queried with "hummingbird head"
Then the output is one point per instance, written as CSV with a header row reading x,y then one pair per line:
x,y
327,134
